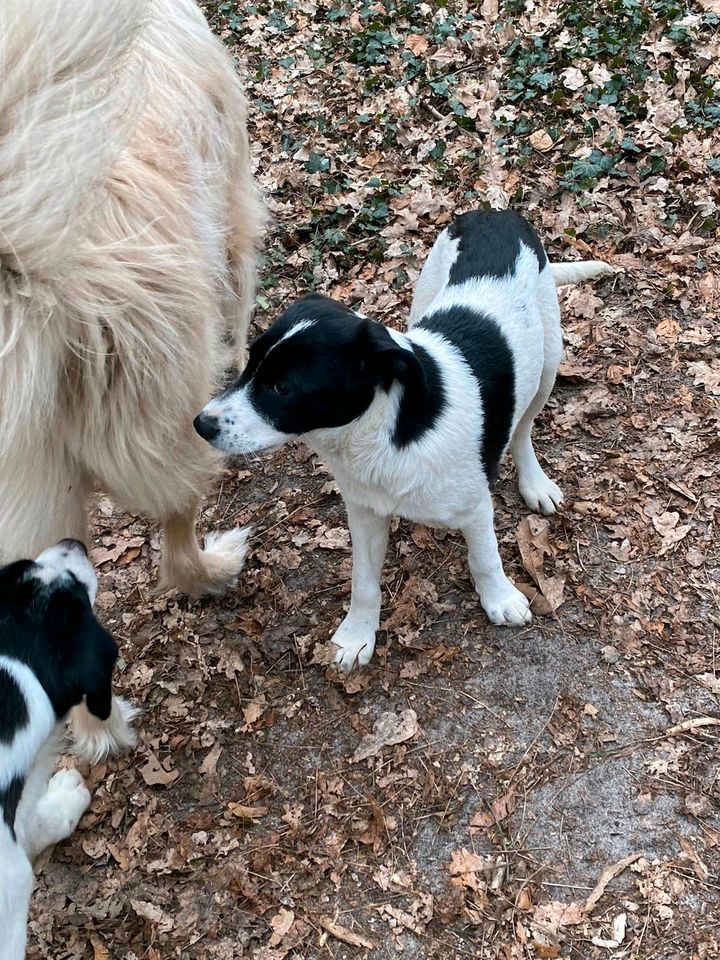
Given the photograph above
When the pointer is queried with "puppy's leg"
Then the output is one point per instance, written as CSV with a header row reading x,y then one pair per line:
x,y
49,811
355,637
536,488
16,884
501,601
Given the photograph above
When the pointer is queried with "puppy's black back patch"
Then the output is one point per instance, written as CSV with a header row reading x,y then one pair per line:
x,y
13,709
481,342
490,244
421,404
9,800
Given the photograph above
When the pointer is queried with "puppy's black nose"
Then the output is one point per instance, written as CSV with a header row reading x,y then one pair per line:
x,y
206,426
70,544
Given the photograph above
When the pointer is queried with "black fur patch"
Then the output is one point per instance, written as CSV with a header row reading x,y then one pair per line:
x,y
13,709
422,402
482,344
490,244
326,374
9,800
52,629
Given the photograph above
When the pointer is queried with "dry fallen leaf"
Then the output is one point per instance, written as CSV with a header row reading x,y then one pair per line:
x,y
390,728
347,936
500,808
243,812
608,874
155,773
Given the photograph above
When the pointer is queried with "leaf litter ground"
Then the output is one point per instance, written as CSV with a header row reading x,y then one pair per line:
x,y
544,792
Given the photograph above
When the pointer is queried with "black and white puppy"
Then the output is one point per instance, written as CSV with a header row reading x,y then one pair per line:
x,y
416,424
55,660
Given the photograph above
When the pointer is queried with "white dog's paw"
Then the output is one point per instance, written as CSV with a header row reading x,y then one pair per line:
x,y
541,494
355,648
61,808
504,604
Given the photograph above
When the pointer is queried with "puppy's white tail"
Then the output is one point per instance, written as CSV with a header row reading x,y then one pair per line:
x,y
575,271
68,81
96,739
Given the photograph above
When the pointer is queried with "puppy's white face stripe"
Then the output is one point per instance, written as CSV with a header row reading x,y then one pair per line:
x,y
242,428
297,328
59,562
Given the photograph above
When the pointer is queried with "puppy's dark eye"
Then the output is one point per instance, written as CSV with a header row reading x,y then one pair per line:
x,y
281,390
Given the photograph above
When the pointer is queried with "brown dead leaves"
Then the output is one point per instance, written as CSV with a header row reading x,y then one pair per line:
x,y
389,729
533,538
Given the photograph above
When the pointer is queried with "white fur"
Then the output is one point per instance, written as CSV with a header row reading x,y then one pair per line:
x,y
577,270
129,222
94,739
296,328
17,757
241,426
63,559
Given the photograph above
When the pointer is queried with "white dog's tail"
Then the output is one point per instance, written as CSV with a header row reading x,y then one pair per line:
x,y
68,82
575,271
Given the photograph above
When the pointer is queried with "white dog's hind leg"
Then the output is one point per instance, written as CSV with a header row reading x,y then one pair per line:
x,y
537,490
355,637
501,601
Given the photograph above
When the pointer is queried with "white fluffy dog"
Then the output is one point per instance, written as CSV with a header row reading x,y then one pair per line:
x,y
129,223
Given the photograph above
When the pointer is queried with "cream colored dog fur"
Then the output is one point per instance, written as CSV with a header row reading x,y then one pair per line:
x,y
129,223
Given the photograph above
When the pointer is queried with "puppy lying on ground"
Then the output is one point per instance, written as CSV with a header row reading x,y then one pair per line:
x,y
53,655
416,424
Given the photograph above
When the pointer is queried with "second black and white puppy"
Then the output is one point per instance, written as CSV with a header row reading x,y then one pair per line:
x,y
416,424
55,660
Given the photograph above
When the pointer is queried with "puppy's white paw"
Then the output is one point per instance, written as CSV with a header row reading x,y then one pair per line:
x,y
60,809
541,494
355,647
504,604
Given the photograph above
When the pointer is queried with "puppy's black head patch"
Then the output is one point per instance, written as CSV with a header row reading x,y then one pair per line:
x,y
49,625
319,365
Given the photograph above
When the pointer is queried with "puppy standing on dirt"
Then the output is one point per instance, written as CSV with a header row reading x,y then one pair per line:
x,y
416,424
128,229
53,655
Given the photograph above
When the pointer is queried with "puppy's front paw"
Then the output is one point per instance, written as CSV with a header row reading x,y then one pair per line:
x,y
61,808
504,604
540,494
355,647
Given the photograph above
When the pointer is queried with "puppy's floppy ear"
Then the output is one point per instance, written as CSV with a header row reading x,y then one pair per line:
x,y
87,648
99,652
385,359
